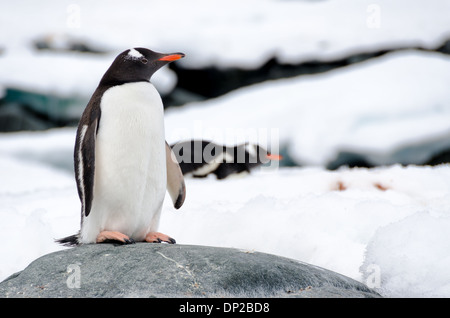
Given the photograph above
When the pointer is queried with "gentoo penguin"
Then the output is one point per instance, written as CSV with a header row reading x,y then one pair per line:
x,y
122,162
200,158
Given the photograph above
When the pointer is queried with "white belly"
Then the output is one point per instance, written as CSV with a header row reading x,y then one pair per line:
x,y
130,168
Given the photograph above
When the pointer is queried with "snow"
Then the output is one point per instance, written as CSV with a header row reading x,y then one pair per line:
x,y
391,109
233,33
349,220
219,33
34,200
418,239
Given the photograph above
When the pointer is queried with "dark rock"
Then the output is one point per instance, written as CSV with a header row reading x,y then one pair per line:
x,y
179,96
66,43
21,109
15,117
162,270
445,48
432,151
349,159
442,157
212,81
56,108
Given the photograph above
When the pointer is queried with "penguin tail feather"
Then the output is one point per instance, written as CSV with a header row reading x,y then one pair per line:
x,y
72,240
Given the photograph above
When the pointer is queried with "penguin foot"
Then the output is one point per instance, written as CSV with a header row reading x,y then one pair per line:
x,y
113,236
156,237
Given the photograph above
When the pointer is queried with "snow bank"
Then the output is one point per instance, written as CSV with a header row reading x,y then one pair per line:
x,y
53,148
349,220
233,33
418,264
392,109
35,201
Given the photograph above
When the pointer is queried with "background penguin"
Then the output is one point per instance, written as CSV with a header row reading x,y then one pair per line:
x,y
122,162
200,158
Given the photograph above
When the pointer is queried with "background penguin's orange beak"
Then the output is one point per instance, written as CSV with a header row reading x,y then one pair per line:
x,y
274,157
172,57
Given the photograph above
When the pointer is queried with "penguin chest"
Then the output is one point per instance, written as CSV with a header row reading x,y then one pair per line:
x,y
130,172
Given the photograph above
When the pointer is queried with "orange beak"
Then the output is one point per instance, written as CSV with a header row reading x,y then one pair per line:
x,y
172,57
274,157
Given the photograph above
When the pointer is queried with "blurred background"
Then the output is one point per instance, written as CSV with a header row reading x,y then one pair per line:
x,y
330,83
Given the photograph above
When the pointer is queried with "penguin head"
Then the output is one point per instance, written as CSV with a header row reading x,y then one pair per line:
x,y
256,155
137,65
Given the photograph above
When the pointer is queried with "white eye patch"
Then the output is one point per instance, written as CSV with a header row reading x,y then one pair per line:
x,y
134,55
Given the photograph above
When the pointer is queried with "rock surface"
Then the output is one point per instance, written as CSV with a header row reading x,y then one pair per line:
x,y
162,270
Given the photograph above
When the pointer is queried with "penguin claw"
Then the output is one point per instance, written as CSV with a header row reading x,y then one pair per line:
x,y
156,237
171,241
130,241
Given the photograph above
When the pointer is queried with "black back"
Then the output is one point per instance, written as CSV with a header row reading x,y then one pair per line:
x,y
195,154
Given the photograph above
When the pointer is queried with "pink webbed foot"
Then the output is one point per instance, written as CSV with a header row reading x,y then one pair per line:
x,y
113,236
156,237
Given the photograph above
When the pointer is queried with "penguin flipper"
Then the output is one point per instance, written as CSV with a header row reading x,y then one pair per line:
x,y
84,158
85,164
175,179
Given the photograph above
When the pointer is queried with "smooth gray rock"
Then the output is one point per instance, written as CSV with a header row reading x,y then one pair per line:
x,y
163,270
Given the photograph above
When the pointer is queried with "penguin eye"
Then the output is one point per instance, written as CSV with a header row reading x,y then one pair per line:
x,y
144,60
